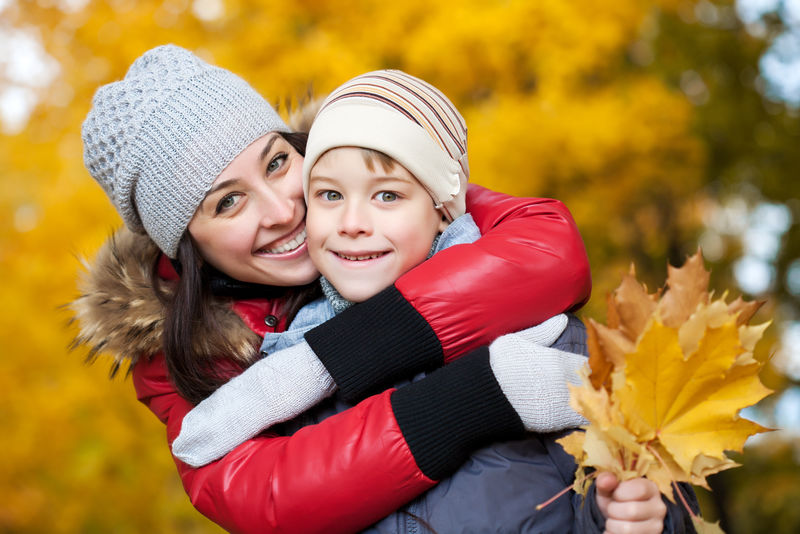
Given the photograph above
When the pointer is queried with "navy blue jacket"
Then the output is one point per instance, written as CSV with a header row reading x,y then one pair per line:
x,y
498,487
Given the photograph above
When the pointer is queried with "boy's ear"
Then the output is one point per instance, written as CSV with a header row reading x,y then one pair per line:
x,y
443,224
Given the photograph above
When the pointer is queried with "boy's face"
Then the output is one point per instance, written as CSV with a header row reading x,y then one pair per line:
x,y
367,227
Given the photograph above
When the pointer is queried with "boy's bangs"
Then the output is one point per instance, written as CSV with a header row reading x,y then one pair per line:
x,y
371,156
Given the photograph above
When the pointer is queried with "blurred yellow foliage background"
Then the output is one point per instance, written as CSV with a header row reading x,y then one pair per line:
x,y
562,99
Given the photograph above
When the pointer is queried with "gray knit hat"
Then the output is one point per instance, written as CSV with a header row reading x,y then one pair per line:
x,y
407,119
156,140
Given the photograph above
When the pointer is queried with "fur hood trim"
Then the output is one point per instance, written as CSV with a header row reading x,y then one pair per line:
x,y
118,312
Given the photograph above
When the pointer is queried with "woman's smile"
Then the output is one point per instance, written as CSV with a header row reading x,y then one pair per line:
x,y
286,244
251,225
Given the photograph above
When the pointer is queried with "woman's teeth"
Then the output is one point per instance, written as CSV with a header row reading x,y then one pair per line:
x,y
298,240
360,258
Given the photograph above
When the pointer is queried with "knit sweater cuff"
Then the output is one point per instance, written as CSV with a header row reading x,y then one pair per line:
x,y
452,412
374,344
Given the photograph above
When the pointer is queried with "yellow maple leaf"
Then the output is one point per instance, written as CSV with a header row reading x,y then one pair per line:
x,y
666,380
690,403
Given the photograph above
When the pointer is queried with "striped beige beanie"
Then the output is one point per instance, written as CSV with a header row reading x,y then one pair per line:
x,y
407,119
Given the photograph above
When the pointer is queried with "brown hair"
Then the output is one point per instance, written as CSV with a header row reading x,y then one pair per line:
x,y
371,156
187,311
387,162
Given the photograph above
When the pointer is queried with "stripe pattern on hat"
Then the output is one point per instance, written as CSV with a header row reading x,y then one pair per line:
x,y
405,118
418,100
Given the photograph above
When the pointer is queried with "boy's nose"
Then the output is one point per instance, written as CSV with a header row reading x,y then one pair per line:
x,y
355,220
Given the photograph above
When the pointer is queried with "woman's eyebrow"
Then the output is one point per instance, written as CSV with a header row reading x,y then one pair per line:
x,y
232,181
268,146
221,185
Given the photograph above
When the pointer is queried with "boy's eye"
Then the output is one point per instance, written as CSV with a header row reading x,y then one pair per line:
x,y
387,196
276,163
331,195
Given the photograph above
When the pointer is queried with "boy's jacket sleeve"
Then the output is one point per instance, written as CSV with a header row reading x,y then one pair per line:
x,y
529,265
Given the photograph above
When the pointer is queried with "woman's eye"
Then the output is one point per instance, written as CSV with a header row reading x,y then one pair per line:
x,y
276,163
387,196
227,202
331,195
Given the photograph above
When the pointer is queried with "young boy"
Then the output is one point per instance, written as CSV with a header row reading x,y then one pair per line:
x,y
384,176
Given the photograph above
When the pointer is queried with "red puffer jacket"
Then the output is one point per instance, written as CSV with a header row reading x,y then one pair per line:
x,y
350,470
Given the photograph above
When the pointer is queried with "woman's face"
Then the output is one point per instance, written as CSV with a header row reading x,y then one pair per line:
x,y
251,224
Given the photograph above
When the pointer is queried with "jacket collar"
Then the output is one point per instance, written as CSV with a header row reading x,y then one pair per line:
x,y
260,311
119,313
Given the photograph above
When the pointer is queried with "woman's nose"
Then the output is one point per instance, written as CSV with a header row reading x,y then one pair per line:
x,y
276,209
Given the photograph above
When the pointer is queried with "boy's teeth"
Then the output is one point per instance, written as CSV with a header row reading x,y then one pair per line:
x,y
360,258
291,245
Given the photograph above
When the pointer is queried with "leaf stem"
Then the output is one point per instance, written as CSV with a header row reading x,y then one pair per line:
x,y
563,491
674,483
554,497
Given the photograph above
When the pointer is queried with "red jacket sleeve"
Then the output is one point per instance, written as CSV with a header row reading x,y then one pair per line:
x,y
340,475
353,468
529,264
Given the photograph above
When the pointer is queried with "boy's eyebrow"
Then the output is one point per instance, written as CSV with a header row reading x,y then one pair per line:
x,y
387,178
318,178
392,178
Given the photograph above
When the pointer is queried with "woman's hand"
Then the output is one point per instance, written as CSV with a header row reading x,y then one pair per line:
x,y
633,506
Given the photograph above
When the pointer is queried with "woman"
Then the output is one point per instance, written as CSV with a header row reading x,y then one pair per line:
x,y
156,141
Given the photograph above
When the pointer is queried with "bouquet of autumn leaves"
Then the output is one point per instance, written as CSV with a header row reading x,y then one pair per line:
x,y
666,380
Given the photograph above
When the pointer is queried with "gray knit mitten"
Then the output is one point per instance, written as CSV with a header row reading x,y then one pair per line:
x,y
534,379
275,389
546,333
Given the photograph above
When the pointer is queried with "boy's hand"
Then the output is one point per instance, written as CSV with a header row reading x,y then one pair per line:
x,y
633,506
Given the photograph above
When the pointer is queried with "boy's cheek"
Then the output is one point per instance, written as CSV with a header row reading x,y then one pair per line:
x,y
315,230
314,249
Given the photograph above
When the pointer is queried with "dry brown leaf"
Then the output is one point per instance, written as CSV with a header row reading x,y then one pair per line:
x,y
612,317
687,287
704,527
746,310
633,306
608,349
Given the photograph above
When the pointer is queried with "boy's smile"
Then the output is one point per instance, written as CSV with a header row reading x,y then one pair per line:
x,y
355,256
367,223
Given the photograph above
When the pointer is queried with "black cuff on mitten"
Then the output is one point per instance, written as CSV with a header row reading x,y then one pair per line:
x,y
452,412
372,345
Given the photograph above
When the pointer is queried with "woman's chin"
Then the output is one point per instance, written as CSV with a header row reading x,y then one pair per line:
x,y
299,274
